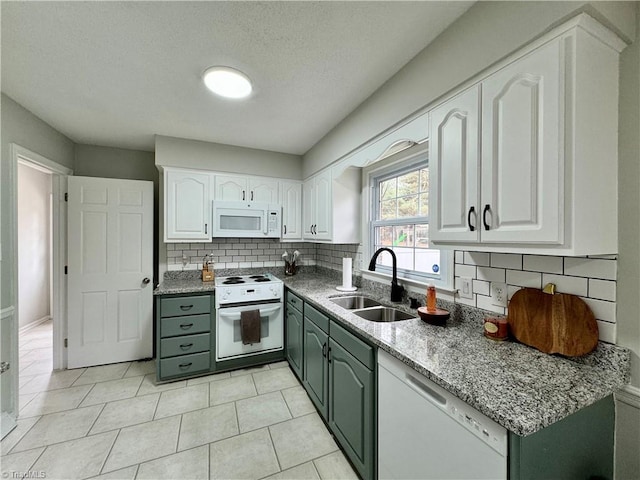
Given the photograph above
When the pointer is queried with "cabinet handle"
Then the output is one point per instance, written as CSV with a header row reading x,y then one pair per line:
x,y
487,207
324,349
185,346
184,308
205,228
252,195
329,355
285,229
471,212
186,326
243,195
185,365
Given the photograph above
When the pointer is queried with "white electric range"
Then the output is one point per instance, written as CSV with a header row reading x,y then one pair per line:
x,y
237,294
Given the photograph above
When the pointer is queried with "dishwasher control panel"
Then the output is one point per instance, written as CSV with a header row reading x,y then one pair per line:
x,y
481,426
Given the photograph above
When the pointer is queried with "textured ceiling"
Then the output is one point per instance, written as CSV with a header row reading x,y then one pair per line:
x,y
116,73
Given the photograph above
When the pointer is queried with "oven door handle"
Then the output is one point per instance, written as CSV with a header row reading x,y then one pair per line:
x,y
263,311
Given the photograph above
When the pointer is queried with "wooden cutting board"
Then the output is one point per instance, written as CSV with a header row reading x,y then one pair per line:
x,y
553,323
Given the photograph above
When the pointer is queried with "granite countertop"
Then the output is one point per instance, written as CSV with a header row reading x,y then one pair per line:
x,y
187,284
519,387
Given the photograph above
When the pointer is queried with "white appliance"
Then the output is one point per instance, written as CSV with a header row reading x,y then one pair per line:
x,y
250,292
246,219
424,432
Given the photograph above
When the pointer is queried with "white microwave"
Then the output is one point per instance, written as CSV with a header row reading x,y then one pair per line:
x,y
246,219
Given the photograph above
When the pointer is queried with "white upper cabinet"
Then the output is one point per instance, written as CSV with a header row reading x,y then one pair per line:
x,y
245,188
331,206
454,168
291,201
522,191
536,170
187,206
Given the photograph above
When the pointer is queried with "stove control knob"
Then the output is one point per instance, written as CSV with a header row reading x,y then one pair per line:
x,y
228,291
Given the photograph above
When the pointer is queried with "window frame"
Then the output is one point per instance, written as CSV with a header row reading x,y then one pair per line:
x,y
395,165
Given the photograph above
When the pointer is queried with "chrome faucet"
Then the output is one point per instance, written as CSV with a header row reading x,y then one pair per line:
x,y
396,290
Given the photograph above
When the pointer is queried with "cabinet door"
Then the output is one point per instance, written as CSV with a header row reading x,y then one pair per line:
x,y
454,169
308,209
263,190
316,372
232,188
291,200
351,407
522,153
294,331
323,206
188,206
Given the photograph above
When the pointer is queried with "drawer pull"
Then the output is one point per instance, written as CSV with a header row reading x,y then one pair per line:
x,y
186,326
185,365
186,346
184,308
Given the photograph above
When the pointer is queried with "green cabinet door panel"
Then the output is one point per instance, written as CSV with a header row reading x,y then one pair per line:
x,y
316,368
351,412
293,339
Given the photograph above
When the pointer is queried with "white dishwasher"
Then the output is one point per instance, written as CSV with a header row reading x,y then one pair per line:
x,y
424,432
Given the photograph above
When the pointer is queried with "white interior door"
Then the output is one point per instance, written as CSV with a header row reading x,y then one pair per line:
x,y
110,261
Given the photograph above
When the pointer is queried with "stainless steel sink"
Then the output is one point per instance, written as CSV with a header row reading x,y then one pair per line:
x,y
353,302
383,314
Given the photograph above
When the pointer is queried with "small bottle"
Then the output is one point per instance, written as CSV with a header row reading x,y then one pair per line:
x,y
431,298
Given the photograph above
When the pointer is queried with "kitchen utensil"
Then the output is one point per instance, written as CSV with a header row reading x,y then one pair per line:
x,y
552,323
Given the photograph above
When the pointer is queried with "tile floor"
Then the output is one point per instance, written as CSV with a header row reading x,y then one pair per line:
x,y
114,422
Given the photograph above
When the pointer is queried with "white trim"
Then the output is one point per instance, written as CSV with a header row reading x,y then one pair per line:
x,y
35,323
630,395
22,155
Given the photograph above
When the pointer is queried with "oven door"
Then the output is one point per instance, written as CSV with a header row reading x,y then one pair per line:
x,y
228,339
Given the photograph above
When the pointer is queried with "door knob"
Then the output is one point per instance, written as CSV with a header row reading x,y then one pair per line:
x,y
146,281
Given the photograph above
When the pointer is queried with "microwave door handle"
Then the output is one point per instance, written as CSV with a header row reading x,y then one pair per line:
x,y
265,220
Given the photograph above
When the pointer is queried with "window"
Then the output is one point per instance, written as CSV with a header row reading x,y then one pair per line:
x,y
400,220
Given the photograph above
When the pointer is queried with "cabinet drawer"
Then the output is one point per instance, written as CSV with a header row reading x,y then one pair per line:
x,y
172,327
294,301
320,319
173,307
172,347
356,347
184,364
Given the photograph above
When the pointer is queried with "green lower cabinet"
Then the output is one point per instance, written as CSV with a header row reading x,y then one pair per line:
x,y
316,368
351,408
293,339
581,446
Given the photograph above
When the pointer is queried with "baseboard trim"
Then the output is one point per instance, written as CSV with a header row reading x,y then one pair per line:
x,y
34,324
630,395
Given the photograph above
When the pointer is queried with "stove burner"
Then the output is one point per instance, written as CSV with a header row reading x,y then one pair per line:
x,y
234,278
232,281
263,279
255,277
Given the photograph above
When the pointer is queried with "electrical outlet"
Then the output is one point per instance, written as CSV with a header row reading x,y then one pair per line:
x,y
466,287
499,294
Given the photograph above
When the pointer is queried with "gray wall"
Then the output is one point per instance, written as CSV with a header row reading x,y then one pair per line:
x,y
181,152
34,245
22,127
108,162
486,33
628,414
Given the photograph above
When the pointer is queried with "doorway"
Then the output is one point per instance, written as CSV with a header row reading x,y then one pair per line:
x,y
35,267
9,325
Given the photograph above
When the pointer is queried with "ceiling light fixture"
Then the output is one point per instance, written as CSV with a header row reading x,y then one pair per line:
x,y
227,82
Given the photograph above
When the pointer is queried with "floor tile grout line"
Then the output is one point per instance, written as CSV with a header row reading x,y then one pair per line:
x,y
22,436
273,446
104,405
104,463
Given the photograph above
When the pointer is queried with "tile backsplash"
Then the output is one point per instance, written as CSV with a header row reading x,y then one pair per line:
x,y
591,278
